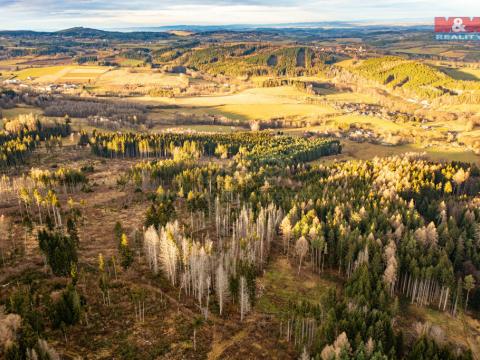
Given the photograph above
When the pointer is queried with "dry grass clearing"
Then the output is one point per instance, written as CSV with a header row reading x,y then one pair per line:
x,y
256,103
281,283
257,96
128,62
144,77
365,151
19,110
62,74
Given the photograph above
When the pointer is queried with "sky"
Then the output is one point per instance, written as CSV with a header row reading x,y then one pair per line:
x,y
61,14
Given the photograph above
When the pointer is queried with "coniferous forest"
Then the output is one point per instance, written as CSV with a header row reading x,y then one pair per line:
x,y
305,191
216,210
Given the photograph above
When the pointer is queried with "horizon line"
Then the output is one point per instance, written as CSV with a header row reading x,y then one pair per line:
x,y
406,22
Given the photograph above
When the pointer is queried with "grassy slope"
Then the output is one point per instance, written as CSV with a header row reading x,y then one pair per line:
x,y
256,103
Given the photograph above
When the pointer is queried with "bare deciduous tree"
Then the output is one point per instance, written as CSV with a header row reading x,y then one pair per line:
x,y
301,249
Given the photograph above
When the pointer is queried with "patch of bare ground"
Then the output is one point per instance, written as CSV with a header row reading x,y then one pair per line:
x,y
256,338
101,208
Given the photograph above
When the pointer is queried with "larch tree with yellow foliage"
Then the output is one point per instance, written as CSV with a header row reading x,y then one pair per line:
x,y
126,254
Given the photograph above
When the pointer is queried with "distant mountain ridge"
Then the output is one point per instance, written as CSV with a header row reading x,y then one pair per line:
x,y
310,31
90,33
423,25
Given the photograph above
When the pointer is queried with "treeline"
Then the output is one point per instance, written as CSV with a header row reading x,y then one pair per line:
x,y
46,49
101,110
8,99
310,87
83,108
86,59
142,54
256,147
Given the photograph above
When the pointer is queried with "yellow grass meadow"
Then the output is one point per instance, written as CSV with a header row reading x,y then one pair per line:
x,y
61,73
256,103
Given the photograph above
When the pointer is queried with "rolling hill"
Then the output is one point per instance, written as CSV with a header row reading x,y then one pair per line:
x,y
414,77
